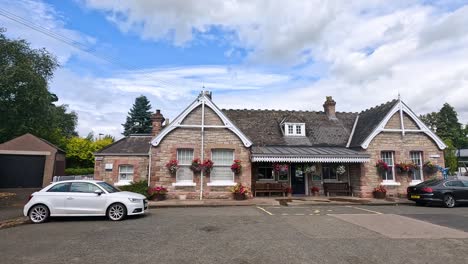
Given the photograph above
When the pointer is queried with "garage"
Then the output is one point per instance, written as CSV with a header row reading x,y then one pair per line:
x,y
29,162
21,171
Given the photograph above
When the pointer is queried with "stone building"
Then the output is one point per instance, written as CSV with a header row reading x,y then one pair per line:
x,y
299,149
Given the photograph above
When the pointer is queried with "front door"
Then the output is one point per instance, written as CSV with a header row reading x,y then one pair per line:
x,y
297,179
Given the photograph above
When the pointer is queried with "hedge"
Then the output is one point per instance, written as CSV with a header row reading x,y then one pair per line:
x,y
79,171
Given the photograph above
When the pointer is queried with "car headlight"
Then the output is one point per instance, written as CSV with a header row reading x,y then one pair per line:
x,y
134,200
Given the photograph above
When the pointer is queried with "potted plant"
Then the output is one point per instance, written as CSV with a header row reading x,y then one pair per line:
x,y
403,167
196,166
157,193
288,191
315,190
172,166
340,170
380,192
207,165
239,191
236,167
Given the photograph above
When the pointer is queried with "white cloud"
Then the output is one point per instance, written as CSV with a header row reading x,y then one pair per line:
x,y
362,53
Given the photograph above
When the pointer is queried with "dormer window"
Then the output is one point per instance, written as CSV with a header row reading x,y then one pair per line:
x,y
294,129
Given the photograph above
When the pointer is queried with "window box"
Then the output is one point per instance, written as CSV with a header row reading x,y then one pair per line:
x,y
221,183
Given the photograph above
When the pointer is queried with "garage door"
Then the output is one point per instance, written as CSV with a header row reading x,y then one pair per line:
x,y
21,171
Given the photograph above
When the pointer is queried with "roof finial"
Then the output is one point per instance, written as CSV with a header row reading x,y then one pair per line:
x,y
399,97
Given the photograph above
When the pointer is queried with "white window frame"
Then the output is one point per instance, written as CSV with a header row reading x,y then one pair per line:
x,y
185,166
415,159
295,126
125,182
221,182
386,159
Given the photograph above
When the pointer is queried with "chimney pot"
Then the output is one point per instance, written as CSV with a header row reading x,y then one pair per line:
x,y
329,107
157,120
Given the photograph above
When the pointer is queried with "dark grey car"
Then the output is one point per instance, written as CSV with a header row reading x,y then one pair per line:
x,y
447,192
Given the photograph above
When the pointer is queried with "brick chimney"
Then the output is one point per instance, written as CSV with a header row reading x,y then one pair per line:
x,y
329,107
157,120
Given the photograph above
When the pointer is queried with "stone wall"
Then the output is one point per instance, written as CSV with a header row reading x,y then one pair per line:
x,y
140,167
214,138
401,146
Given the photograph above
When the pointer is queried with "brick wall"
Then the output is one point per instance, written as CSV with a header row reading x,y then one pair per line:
x,y
401,146
214,138
139,163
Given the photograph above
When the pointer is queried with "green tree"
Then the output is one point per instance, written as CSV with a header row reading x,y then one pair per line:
x,y
26,105
139,117
448,126
430,120
80,151
450,157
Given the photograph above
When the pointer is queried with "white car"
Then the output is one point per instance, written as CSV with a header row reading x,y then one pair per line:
x,y
83,198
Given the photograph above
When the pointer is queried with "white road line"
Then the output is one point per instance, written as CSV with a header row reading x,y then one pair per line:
x,y
284,214
263,209
370,211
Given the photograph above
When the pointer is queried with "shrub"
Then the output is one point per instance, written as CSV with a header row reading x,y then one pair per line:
x,y
79,171
140,187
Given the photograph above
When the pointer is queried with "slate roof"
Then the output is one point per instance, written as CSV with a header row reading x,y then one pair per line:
x,y
136,144
307,151
262,127
369,120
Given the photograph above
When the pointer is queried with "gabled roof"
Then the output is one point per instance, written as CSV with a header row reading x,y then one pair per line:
x,y
205,100
135,144
26,142
368,120
263,127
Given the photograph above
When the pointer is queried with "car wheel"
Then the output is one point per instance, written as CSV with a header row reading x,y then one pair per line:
x,y
116,212
39,214
449,201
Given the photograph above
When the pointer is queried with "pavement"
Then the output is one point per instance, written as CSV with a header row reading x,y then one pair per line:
x,y
11,207
355,233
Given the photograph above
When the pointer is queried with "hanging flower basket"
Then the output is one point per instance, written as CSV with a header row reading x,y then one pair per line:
x,y
236,167
207,165
403,167
340,170
430,167
280,167
172,166
309,169
382,166
196,165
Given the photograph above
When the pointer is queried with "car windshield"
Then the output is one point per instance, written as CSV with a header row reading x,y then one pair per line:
x,y
109,188
430,182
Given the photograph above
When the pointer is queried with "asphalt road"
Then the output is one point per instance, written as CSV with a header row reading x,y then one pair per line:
x,y
311,234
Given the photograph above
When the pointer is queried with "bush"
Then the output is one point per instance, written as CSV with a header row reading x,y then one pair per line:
x,y
140,187
79,171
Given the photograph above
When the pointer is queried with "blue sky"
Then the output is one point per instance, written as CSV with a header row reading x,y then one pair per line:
x,y
251,54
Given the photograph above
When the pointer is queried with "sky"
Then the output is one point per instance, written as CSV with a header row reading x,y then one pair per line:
x,y
250,54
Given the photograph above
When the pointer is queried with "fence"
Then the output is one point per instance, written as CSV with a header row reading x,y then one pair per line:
x,y
73,177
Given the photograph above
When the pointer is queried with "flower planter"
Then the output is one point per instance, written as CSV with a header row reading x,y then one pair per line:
x,y
315,194
239,196
379,195
159,197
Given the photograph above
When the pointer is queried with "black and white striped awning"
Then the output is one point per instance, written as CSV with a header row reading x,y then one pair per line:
x,y
307,154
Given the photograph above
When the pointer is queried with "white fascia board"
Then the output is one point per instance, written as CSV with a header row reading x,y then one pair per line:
x,y
260,158
178,121
403,107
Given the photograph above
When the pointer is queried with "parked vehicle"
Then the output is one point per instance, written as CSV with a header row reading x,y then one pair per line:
x,y
448,192
83,198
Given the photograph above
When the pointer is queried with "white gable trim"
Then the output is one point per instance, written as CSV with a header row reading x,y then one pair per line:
x,y
198,102
403,108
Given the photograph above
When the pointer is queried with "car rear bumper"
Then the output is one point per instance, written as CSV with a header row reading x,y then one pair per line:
x,y
423,197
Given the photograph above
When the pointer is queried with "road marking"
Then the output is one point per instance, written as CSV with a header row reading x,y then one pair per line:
x,y
284,214
263,209
367,210
317,211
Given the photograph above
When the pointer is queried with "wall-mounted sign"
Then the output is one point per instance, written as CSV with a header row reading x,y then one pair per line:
x,y
434,156
99,158
108,166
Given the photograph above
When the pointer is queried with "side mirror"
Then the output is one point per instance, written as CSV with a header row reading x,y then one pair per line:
x,y
98,192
